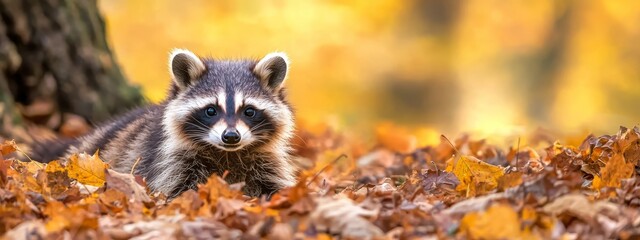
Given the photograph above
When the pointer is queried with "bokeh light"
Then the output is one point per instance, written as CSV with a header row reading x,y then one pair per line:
x,y
492,68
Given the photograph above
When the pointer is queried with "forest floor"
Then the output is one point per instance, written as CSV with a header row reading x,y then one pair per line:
x,y
462,188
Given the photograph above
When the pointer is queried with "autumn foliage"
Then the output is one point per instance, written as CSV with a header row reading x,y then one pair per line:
x,y
395,190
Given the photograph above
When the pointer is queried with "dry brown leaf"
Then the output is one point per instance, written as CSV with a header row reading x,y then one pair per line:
x,y
575,204
126,183
432,180
227,207
87,169
341,216
33,229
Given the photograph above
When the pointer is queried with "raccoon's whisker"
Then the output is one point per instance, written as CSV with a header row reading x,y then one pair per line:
x,y
199,122
259,125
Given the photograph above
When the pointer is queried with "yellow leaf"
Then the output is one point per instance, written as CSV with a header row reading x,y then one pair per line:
x,y
54,166
57,217
88,170
29,174
498,222
323,236
476,177
31,167
510,180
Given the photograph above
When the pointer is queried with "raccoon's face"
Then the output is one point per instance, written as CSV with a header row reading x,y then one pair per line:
x,y
228,104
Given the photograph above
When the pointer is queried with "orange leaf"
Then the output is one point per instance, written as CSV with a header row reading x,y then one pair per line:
x,y
498,222
8,147
613,172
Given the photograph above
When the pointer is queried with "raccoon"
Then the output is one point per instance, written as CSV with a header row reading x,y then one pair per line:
x,y
219,116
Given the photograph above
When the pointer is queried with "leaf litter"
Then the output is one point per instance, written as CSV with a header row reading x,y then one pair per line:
x,y
395,190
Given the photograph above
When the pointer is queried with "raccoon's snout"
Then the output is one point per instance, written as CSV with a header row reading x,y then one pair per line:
x,y
231,136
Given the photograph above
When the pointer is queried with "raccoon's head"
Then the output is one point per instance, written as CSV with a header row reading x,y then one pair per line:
x,y
228,104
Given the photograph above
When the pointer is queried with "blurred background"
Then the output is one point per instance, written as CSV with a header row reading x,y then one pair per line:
x,y
448,66
492,68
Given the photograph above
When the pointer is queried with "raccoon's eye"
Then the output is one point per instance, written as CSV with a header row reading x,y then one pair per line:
x,y
210,111
249,112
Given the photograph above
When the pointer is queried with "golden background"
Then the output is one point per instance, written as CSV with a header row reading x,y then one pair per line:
x,y
492,68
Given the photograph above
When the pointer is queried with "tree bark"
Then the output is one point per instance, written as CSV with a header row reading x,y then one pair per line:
x,y
55,61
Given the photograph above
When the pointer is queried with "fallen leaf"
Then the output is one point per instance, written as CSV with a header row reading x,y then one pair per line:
x,y
341,216
613,172
7,147
216,188
432,179
4,167
126,183
500,221
510,180
113,200
580,206
73,217
227,207
88,170
58,180
476,177
473,204
30,174
33,229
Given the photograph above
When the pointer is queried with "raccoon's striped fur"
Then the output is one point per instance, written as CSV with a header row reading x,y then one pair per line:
x,y
220,115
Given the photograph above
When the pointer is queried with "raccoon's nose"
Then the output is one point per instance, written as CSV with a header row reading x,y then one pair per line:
x,y
231,136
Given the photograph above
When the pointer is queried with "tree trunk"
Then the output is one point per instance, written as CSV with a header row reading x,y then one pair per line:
x,y
54,63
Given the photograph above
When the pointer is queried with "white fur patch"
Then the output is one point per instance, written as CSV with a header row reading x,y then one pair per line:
x,y
237,100
246,137
222,100
215,134
261,104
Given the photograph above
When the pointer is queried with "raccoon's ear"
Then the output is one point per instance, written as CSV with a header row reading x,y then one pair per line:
x,y
272,70
185,67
